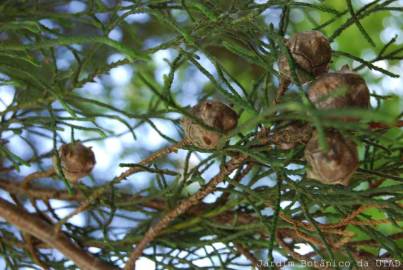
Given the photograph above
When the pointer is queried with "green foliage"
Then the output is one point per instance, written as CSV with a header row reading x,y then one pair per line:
x,y
51,54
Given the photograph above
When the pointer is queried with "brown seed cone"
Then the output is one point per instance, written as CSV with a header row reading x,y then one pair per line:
x,y
76,161
311,52
339,90
214,114
337,164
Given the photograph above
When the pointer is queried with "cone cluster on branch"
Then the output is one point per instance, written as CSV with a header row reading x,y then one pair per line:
x,y
211,120
311,54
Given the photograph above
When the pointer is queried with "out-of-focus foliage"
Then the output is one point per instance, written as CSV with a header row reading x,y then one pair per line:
x,y
119,75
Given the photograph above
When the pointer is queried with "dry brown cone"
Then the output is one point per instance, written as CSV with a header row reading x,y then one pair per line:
x,y
76,161
214,114
337,164
312,54
342,89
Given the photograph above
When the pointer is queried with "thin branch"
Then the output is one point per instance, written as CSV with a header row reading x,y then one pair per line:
x,y
14,187
227,192
248,255
36,175
31,249
277,211
295,255
376,125
282,88
182,208
101,190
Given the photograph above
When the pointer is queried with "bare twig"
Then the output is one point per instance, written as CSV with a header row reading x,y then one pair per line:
x,y
342,223
282,88
35,226
13,187
377,125
40,193
248,255
226,193
31,249
371,242
36,175
296,256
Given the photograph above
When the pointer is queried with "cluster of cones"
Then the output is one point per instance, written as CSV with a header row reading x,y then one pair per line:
x,y
310,54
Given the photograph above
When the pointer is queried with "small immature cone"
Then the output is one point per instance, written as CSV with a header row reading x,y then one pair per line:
x,y
76,161
337,164
311,52
338,90
214,114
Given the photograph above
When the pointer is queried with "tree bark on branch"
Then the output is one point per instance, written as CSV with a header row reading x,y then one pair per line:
x,y
35,226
